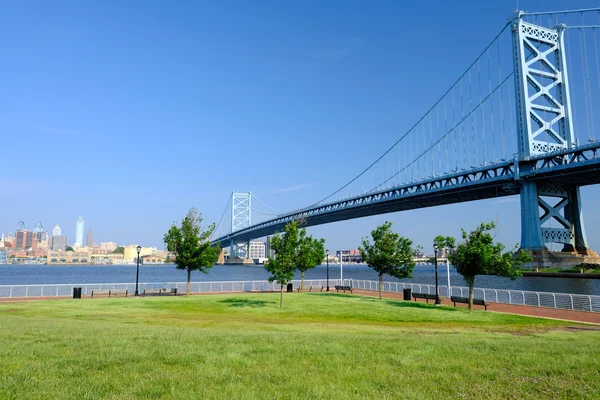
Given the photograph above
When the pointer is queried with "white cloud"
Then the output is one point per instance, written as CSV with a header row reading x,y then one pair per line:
x,y
294,188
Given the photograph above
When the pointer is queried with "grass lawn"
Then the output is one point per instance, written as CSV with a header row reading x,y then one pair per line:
x,y
319,346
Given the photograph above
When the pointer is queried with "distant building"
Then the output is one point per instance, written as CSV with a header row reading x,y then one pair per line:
x,y
89,241
348,255
41,236
3,256
268,251
56,231
257,249
68,257
109,246
79,233
58,243
152,259
26,240
130,252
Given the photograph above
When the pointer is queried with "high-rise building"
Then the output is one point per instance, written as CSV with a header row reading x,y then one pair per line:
x,y
26,240
79,233
257,249
41,236
89,241
56,231
38,227
58,243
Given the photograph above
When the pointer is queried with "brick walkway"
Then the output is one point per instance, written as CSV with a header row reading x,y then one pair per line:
x,y
543,312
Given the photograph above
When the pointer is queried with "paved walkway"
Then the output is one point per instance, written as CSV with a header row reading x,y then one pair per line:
x,y
543,312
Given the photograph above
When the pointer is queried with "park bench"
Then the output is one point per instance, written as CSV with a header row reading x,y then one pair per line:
x,y
311,288
150,291
344,288
109,292
159,291
425,296
465,300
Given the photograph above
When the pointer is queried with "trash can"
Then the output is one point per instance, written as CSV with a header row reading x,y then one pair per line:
x,y
76,292
407,292
290,287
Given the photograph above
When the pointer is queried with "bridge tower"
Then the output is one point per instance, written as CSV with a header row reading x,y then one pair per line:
x,y
241,205
549,212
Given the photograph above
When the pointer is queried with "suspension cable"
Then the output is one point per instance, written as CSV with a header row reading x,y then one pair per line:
x,y
264,205
222,215
420,119
454,127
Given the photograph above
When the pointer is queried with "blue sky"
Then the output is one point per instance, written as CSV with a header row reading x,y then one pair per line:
x,y
129,113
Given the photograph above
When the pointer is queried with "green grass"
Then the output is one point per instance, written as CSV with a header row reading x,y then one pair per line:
x,y
318,346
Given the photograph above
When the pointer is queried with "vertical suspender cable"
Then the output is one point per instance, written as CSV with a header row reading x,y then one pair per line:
x,y
446,130
587,82
583,73
597,60
501,104
437,114
492,120
482,114
462,114
570,63
430,142
456,136
472,123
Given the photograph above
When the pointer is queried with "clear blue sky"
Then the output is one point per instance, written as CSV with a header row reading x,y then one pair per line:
x,y
131,112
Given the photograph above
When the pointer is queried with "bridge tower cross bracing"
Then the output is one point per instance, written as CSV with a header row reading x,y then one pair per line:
x,y
545,125
241,217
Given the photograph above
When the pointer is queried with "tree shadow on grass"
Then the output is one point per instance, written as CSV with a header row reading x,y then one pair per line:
x,y
322,294
414,304
245,303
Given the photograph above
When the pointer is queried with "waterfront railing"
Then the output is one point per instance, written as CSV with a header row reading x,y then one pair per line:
x,y
580,302
567,301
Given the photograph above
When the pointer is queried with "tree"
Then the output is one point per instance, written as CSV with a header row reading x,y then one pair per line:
x,y
479,255
69,248
191,245
310,253
119,250
444,242
389,254
282,264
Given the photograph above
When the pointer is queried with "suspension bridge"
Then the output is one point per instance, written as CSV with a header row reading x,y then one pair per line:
x,y
521,119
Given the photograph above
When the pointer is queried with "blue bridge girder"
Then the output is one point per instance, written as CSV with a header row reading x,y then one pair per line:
x,y
579,166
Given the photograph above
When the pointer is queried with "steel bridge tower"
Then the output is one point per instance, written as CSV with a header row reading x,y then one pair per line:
x,y
549,212
241,205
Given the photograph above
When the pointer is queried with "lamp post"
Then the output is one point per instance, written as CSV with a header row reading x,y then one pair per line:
x,y
137,273
341,270
437,291
327,258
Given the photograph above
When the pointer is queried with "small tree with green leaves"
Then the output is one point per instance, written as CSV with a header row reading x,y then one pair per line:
x,y
310,253
69,248
119,250
444,242
479,255
191,245
389,253
282,265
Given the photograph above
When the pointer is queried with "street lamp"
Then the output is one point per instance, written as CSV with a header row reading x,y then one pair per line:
x,y
327,251
437,291
137,273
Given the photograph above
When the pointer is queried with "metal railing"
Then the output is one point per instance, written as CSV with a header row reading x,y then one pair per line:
x,y
54,290
567,301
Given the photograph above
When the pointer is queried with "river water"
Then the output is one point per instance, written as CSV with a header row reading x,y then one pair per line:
x,y
44,274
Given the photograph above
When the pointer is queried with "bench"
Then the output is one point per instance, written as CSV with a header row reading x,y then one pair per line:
x,y
465,300
159,291
311,288
110,292
425,296
344,288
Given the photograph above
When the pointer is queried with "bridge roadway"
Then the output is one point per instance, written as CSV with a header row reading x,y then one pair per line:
x,y
579,166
